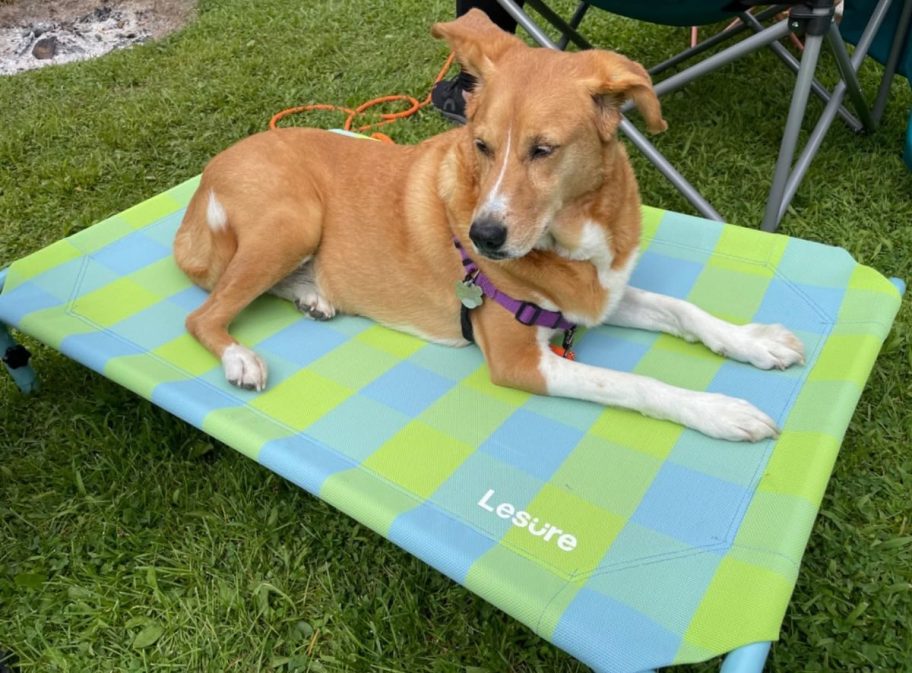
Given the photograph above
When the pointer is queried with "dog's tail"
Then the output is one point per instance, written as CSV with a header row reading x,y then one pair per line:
x,y
205,242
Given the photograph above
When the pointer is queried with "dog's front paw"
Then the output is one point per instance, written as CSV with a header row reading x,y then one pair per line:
x,y
729,418
244,368
772,346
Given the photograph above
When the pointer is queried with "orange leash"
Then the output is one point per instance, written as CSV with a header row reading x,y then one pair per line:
x,y
386,118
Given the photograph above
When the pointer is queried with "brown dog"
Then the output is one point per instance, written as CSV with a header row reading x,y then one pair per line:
x,y
536,188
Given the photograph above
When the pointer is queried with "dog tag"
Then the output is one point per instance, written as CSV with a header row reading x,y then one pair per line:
x,y
469,293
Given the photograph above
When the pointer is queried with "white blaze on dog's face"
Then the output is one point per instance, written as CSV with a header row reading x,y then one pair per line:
x,y
539,123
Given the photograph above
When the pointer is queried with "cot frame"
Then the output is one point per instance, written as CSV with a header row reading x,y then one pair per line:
x,y
746,659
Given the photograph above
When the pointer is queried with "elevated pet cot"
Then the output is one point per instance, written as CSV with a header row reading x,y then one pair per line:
x,y
813,20
644,544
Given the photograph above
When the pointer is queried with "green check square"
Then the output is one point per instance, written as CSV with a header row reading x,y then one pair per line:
x,y
731,295
800,465
608,475
504,576
142,373
150,210
358,485
736,606
397,344
264,318
846,357
678,363
37,263
163,278
748,250
824,406
480,380
53,325
633,430
301,399
244,428
99,235
353,364
187,354
651,219
114,302
559,516
466,414
418,458
184,191
775,530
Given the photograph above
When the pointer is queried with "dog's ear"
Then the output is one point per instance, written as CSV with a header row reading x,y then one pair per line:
x,y
612,79
477,42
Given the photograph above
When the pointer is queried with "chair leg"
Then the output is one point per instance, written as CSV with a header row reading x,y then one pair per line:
x,y
793,64
850,78
902,29
797,108
829,113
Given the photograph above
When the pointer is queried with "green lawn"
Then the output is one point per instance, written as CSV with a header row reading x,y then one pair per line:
x,y
129,541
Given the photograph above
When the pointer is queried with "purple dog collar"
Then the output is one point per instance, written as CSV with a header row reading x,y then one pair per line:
x,y
525,312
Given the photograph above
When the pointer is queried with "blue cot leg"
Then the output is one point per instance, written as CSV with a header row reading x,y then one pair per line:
x,y
15,357
748,659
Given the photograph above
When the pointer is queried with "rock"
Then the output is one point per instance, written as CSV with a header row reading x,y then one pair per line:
x,y
45,48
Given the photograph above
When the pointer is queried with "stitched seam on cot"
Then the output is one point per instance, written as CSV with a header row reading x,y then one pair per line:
x,y
538,622
730,535
771,552
761,466
754,262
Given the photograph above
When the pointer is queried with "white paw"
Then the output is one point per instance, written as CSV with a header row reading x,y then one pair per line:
x,y
771,346
316,306
729,418
244,368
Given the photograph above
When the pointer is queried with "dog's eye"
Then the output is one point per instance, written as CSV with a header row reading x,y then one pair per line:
x,y
542,151
482,147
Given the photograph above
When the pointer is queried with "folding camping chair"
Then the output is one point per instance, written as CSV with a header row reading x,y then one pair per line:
x,y
812,19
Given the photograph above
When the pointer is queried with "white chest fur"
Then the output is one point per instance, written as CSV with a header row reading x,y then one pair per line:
x,y
593,246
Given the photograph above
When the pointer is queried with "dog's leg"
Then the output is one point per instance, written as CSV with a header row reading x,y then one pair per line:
x,y
251,272
300,287
712,414
764,346
521,358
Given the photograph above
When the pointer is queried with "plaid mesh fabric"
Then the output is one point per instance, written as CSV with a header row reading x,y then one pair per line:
x,y
643,543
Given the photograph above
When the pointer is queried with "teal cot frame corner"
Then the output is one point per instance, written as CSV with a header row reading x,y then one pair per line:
x,y
23,374
747,659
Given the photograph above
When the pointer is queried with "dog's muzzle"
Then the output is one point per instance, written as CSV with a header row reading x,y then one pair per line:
x,y
489,235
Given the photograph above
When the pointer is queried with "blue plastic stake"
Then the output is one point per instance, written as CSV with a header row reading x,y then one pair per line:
x,y
13,355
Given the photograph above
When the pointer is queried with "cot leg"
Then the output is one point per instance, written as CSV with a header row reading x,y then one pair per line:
x,y
15,357
748,659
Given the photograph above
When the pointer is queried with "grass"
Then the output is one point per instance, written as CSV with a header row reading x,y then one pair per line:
x,y
131,542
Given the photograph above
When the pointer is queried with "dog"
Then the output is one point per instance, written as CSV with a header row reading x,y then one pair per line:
x,y
530,211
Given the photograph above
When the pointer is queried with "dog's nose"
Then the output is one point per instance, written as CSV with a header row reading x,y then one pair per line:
x,y
488,234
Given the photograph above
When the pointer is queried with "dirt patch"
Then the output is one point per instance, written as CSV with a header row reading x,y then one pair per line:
x,y
35,33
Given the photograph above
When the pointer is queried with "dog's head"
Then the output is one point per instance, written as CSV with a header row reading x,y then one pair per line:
x,y
539,123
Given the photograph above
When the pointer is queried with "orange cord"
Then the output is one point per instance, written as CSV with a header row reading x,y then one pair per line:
x,y
387,118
